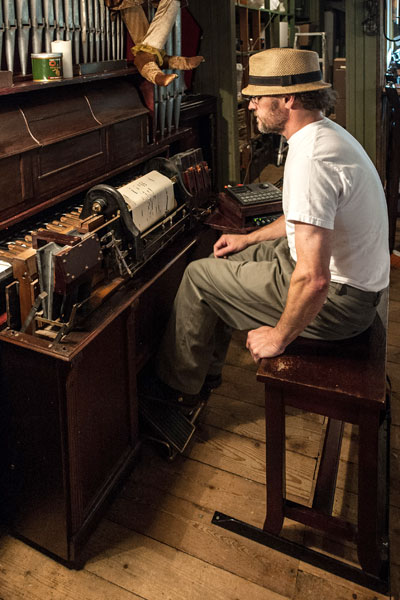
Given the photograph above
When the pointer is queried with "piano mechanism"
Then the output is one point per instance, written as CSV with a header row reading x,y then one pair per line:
x,y
54,275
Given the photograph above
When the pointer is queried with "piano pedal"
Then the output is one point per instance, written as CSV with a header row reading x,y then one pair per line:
x,y
175,428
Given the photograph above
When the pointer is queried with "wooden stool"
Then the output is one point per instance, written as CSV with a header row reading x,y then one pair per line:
x,y
345,381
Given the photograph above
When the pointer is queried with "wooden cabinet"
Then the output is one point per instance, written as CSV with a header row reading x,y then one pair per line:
x,y
71,408
68,410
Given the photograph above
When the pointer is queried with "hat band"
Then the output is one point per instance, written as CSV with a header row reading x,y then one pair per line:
x,y
285,80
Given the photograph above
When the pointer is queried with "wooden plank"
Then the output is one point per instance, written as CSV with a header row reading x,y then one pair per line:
x,y
212,488
26,574
395,580
238,355
321,542
345,506
393,335
239,383
394,312
393,353
302,435
188,479
314,584
395,404
394,487
186,526
156,571
246,458
394,534
347,477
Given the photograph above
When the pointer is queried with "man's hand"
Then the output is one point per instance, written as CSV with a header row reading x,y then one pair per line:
x,y
264,342
229,244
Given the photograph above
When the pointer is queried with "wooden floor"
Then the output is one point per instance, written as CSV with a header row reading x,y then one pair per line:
x,y
157,542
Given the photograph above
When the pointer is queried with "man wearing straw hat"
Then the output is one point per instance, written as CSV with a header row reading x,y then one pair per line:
x,y
318,271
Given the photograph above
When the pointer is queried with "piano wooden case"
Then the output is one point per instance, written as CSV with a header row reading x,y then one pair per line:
x,y
69,420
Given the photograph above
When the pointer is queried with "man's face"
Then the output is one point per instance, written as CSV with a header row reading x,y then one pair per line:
x,y
270,112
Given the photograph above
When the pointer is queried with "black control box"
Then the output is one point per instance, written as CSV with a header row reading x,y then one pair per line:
x,y
255,193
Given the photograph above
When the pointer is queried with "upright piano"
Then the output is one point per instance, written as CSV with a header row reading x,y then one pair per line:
x,y
83,303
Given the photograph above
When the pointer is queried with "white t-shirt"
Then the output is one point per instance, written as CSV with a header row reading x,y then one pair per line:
x,y
330,181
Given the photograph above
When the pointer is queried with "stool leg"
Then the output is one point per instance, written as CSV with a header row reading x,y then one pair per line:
x,y
275,458
371,490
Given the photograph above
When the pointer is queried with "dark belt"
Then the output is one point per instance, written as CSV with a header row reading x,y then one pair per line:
x,y
343,289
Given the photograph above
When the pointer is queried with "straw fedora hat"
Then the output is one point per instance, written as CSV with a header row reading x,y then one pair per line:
x,y
284,71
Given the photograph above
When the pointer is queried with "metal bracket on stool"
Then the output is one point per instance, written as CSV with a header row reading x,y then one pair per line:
x,y
322,561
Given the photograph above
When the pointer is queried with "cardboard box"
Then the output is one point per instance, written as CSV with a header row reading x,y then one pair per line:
x,y
305,40
339,77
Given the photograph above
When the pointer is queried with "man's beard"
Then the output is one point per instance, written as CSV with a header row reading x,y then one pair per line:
x,y
277,119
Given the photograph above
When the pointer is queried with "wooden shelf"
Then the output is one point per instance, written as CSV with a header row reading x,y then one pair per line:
x,y
27,85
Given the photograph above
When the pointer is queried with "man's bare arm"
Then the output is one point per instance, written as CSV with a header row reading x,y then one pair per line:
x,y
231,243
307,293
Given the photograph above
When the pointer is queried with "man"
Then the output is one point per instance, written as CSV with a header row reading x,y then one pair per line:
x,y
318,271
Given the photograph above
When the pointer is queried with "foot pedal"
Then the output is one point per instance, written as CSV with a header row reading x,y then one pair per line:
x,y
170,423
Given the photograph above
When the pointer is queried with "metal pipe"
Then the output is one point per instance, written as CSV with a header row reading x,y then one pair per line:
x,y
179,81
10,26
1,32
48,10
23,25
90,24
108,34
102,28
69,24
118,36
60,23
97,30
170,89
162,111
113,38
84,29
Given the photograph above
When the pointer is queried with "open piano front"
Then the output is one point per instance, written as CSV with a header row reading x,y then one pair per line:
x,y
88,279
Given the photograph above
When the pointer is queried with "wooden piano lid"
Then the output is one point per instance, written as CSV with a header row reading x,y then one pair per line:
x,y
14,133
121,102
57,114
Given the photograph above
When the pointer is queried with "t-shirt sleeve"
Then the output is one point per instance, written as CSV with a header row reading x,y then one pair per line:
x,y
313,193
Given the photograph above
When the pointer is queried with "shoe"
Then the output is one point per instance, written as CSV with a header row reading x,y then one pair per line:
x,y
212,382
156,390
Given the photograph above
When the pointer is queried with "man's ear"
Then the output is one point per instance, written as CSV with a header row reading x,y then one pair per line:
x,y
289,100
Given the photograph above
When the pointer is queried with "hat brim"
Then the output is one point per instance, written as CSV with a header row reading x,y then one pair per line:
x,y
260,90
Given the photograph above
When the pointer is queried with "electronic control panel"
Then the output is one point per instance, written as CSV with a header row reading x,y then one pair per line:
x,y
255,193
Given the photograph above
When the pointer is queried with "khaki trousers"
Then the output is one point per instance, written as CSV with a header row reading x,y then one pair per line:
x,y
245,291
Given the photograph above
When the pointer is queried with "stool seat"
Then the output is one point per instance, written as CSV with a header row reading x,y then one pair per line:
x,y
347,368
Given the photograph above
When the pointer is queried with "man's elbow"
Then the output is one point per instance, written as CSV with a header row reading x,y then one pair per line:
x,y
320,284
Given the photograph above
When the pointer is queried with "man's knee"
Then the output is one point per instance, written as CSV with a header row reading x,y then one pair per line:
x,y
196,271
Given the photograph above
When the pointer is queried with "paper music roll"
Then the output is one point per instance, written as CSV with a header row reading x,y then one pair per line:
x,y
283,34
66,50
